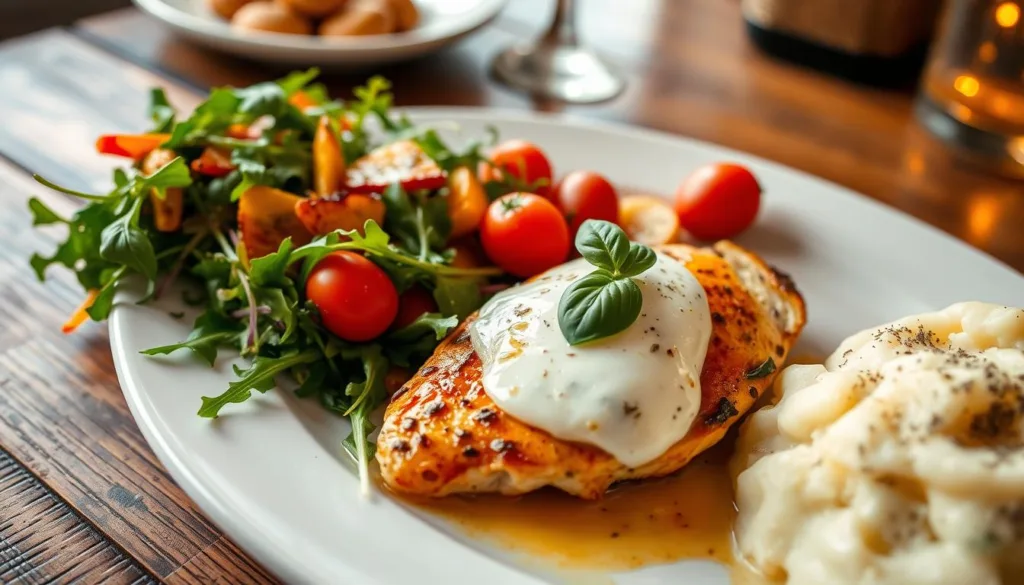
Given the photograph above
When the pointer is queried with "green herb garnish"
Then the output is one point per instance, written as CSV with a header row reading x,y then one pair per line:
x,y
607,300
763,369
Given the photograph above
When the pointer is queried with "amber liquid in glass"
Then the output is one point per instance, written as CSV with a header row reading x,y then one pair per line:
x,y
976,78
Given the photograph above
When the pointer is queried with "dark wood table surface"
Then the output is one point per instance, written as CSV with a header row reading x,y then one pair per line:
x,y
82,498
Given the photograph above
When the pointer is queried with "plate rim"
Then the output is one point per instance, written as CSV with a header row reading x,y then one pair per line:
x,y
199,26
244,531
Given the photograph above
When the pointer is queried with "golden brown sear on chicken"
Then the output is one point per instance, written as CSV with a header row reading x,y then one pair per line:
x,y
442,434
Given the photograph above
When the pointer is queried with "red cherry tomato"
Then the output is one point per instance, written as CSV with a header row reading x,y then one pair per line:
x,y
526,162
718,201
356,299
412,304
524,234
583,195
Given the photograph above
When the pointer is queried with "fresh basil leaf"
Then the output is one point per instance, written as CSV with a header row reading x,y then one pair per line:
x,y
257,377
262,99
160,111
765,368
457,296
43,215
125,243
597,306
270,270
603,244
173,174
638,260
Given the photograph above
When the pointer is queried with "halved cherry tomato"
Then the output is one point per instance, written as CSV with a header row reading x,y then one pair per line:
x,y
339,211
467,202
583,195
718,201
356,299
524,234
524,161
133,146
412,304
403,161
213,162
328,160
648,219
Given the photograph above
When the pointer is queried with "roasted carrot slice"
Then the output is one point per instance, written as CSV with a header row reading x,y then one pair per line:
x,y
167,210
403,162
328,160
301,100
133,146
266,216
467,201
339,212
213,162
80,315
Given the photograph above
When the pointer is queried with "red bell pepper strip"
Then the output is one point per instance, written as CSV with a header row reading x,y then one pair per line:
x,y
133,146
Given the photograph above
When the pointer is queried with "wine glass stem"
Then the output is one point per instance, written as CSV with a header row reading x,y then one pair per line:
x,y
563,28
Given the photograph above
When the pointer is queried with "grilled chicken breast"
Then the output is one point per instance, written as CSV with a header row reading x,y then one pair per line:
x,y
442,434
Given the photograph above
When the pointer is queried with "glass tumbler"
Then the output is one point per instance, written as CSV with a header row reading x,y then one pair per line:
x,y
972,95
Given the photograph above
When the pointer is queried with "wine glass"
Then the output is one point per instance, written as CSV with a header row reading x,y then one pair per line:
x,y
556,66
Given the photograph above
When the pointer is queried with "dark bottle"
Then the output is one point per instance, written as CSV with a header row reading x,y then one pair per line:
x,y
876,42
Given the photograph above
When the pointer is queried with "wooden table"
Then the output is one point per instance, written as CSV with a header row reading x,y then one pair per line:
x,y
81,494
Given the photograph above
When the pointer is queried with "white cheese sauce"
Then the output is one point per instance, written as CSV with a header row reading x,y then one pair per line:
x,y
633,394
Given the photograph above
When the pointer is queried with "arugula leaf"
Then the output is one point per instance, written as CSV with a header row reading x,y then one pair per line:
x,y
297,80
270,270
598,305
256,377
414,343
369,394
210,332
123,242
421,227
43,215
101,306
457,296
282,311
160,111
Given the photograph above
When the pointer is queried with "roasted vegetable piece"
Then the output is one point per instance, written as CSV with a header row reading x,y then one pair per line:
x,y
133,146
467,201
339,211
403,162
266,216
302,100
328,160
167,209
81,314
213,162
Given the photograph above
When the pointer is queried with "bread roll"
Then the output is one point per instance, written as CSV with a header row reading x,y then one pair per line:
x,y
271,17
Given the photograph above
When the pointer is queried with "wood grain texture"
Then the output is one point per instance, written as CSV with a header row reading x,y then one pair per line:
x,y
42,540
692,72
61,410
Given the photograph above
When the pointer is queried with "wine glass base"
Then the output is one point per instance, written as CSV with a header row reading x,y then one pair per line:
x,y
567,73
999,153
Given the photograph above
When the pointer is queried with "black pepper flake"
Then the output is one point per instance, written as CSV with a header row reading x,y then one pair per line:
x,y
470,452
463,434
465,402
408,423
399,445
655,347
485,416
753,392
615,534
670,352
433,407
765,368
631,409
726,410
717,318
780,351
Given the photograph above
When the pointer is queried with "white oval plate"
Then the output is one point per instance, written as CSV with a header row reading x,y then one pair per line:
x,y
442,22
270,473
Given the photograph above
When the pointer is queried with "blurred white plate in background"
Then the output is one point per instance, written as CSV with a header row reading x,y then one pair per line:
x,y
442,23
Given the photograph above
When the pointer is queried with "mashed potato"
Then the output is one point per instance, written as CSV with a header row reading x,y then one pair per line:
x,y
898,462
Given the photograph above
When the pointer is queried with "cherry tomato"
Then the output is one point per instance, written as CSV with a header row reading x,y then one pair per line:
x,y
413,303
356,299
524,234
718,201
583,195
526,162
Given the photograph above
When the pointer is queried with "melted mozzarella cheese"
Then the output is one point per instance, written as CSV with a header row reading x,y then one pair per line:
x,y
633,394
